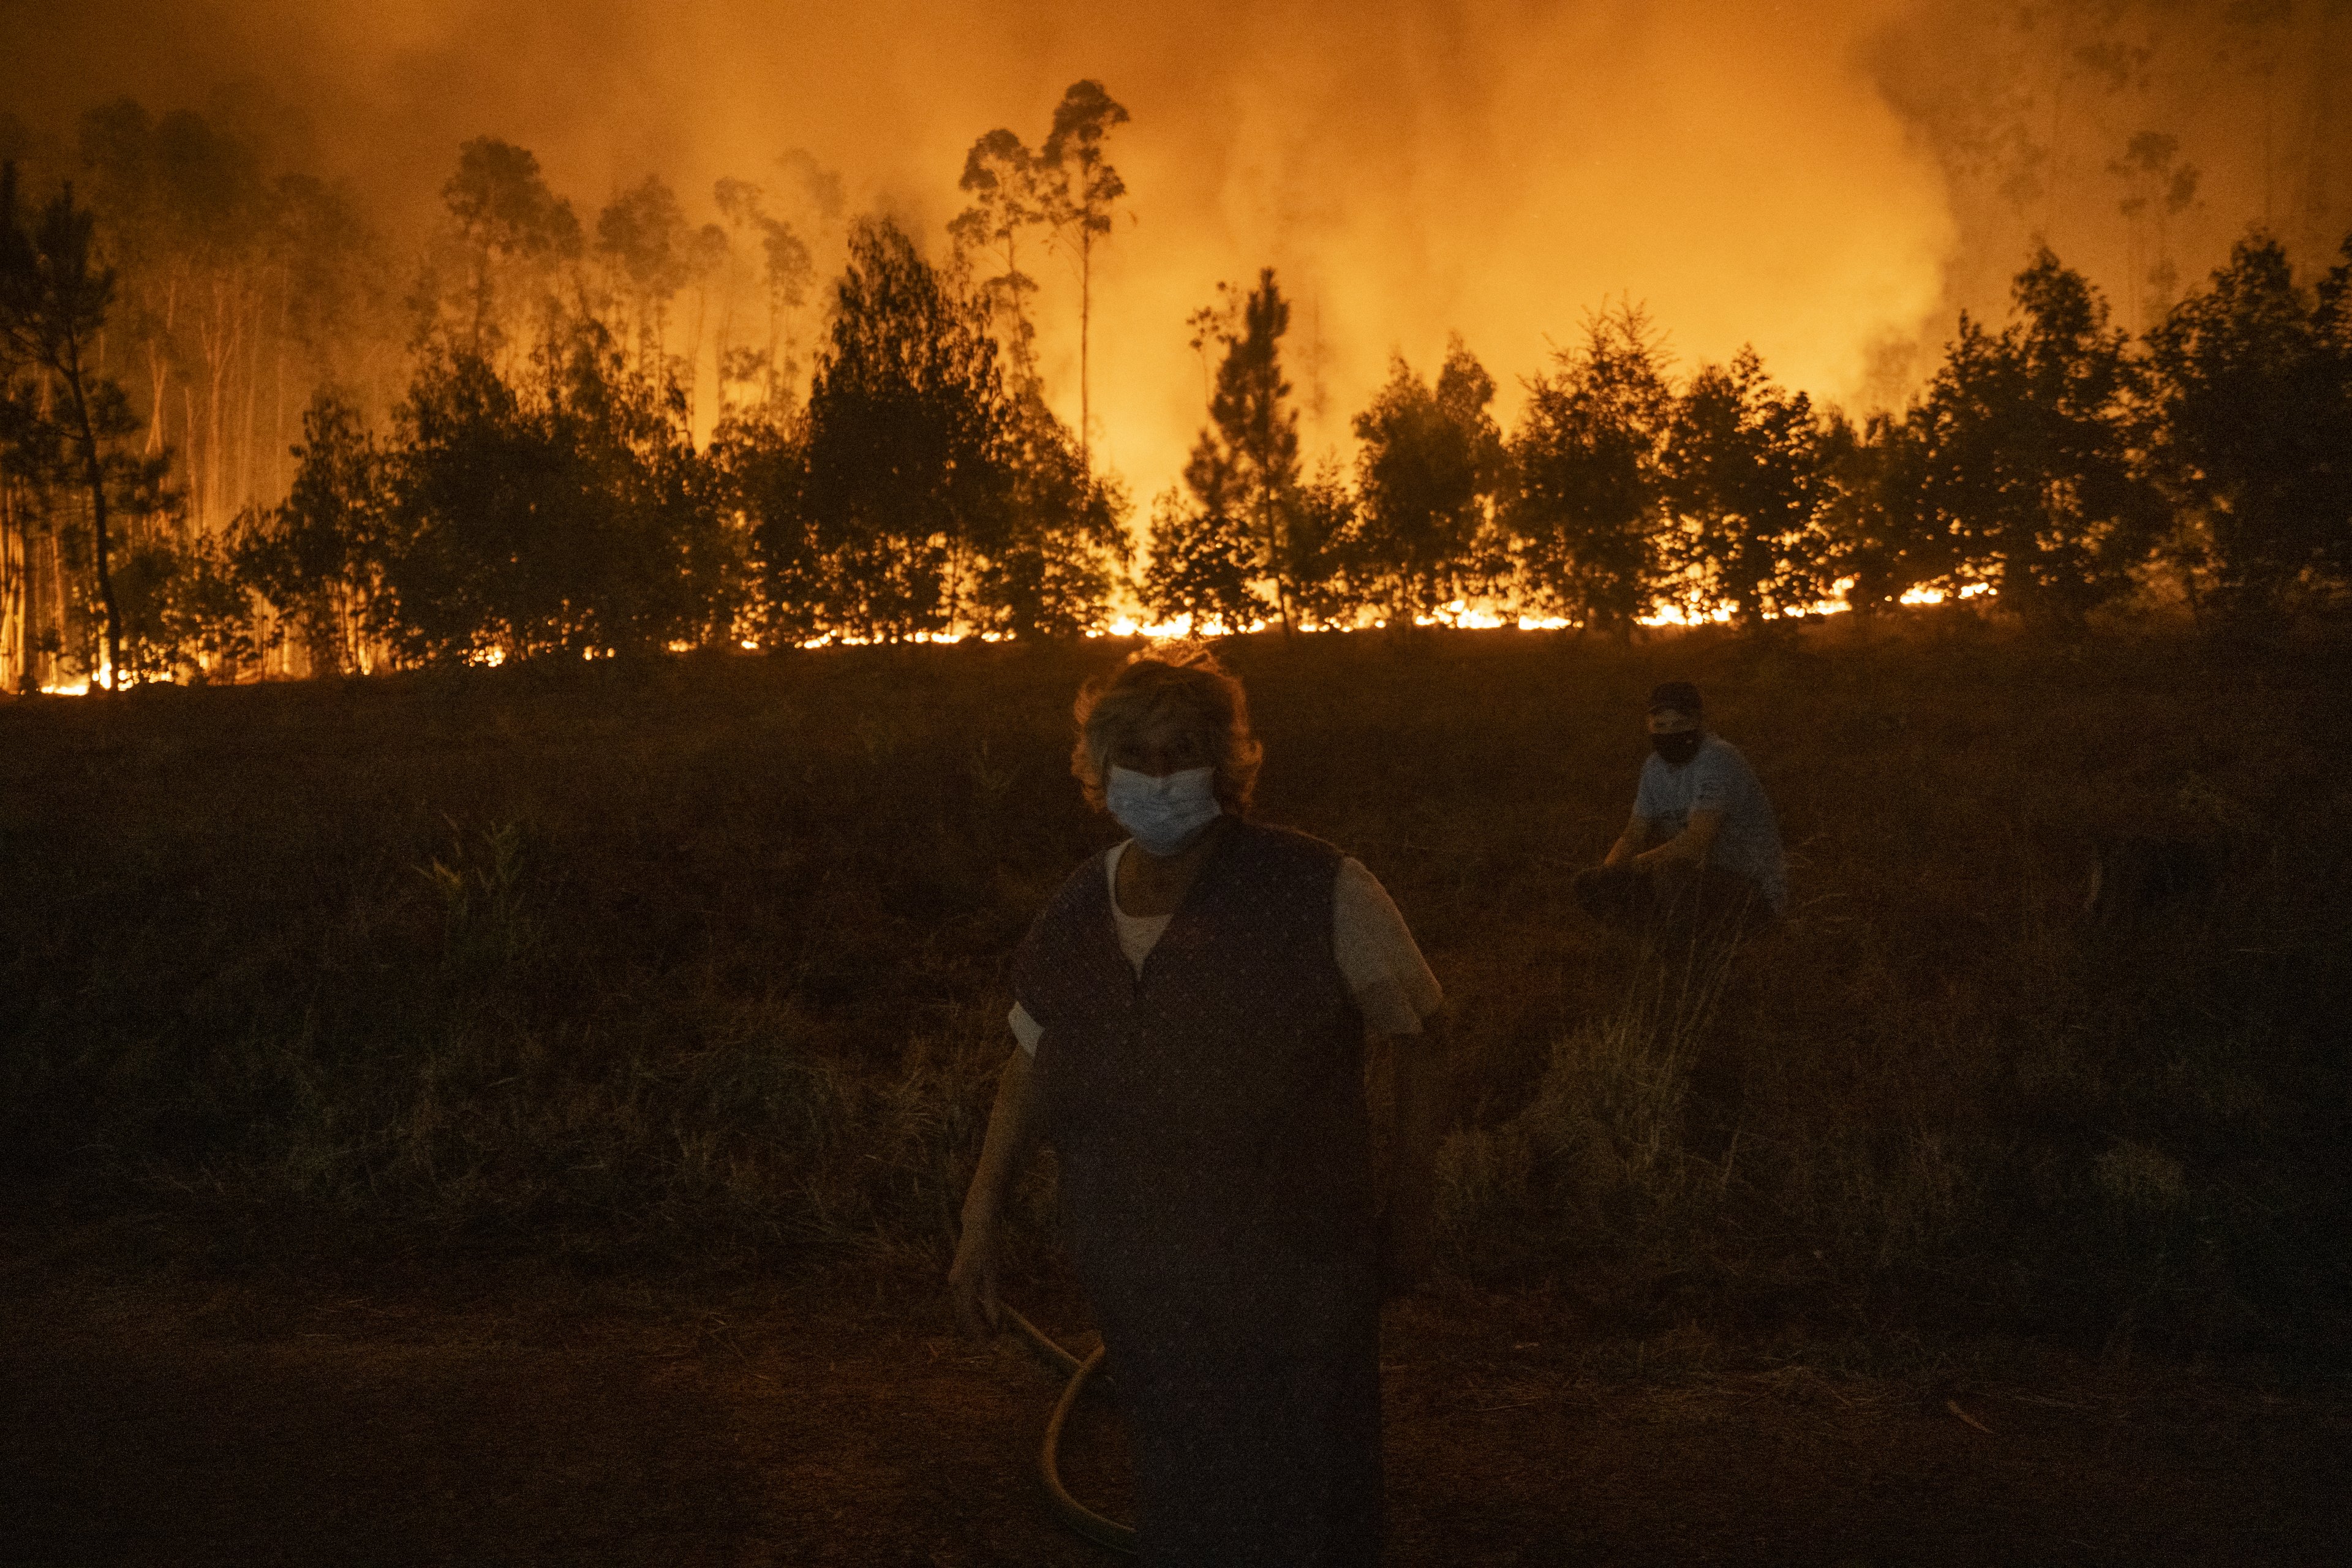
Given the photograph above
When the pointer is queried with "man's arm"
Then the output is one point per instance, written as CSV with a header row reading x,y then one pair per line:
x,y
1689,844
1418,1065
1629,843
1014,1127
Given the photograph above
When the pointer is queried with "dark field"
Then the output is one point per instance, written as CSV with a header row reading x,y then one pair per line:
x,y
569,1009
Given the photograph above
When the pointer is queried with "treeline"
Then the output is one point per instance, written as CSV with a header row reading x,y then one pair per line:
x,y
2054,462
544,485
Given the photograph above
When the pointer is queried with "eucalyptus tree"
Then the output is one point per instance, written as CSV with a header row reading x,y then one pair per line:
x,y
785,270
1199,567
187,216
648,250
761,468
1080,193
511,233
1883,536
564,513
1006,183
1243,479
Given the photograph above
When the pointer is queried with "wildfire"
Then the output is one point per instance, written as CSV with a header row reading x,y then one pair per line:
x,y
1938,596
104,679
1459,615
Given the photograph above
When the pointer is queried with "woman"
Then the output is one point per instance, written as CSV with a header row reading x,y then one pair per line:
x,y
1191,1011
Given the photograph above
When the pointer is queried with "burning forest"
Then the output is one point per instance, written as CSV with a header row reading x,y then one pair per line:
x,y
348,420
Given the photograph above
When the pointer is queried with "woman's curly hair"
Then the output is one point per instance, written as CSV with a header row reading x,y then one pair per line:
x,y
1179,678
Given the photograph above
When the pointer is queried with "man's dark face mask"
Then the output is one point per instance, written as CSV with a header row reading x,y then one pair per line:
x,y
1677,748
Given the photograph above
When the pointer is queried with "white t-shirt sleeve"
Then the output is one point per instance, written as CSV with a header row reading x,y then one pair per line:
x,y
1650,801
1377,957
1717,777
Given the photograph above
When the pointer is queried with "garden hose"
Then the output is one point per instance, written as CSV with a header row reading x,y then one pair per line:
x,y
1081,1519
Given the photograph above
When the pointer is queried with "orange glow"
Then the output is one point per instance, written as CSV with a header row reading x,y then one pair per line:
x,y
1940,595
1459,615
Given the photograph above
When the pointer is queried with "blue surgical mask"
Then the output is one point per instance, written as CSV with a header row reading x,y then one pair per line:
x,y
1163,812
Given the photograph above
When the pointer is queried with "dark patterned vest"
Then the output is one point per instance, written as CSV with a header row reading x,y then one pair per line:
x,y
1208,1117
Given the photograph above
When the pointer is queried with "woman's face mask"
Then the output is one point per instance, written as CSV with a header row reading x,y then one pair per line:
x,y
1162,811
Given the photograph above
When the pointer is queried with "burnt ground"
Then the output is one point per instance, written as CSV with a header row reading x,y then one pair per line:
x,y
161,1406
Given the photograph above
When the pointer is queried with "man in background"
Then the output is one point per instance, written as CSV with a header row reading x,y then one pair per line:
x,y
1702,852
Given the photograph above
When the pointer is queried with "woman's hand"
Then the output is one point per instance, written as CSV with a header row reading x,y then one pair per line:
x,y
971,1279
1011,1131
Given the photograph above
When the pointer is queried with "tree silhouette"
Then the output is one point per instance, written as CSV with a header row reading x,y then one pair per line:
x,y
2257,424
54,296
1201,566
759,468
1741,475
570,515
463,513
511,227
1005,182
645,244
1324,550
1081,190
1048,568
1430,462
906,478
2030,466
1882,535
786,267
318,557
1584,515
1244,479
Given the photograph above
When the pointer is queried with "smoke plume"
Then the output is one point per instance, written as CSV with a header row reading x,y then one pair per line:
x,y
1829,180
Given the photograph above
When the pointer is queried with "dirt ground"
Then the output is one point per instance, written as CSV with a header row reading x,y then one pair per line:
x,y
155,1410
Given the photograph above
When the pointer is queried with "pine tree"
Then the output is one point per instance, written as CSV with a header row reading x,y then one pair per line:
x,y
1237,543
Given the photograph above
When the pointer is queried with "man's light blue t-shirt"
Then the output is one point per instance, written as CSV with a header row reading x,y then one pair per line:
x,y
1718,779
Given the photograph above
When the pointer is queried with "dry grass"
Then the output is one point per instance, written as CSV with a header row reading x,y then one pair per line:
x,y
704,960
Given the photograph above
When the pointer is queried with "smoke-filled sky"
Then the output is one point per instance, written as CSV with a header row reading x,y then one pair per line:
x,y
1828,180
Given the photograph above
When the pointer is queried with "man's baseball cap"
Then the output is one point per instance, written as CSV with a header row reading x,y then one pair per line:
x,y
1680,696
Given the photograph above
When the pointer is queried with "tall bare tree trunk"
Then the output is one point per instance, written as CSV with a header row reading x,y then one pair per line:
x,y
1086,323
198,464
94,474
246,466
14,645
278,443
